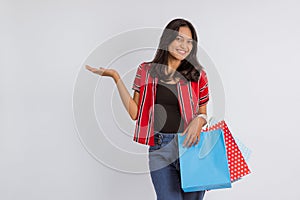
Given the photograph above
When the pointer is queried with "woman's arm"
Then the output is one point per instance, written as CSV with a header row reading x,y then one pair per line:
x,y
131,104
194,128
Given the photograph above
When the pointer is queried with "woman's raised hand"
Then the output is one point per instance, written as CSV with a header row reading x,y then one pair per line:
x,y
130,104
101,71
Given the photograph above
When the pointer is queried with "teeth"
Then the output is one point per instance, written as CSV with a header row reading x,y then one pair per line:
x,y
180,51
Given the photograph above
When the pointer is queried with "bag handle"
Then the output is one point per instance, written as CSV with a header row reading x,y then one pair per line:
x,y
211,121
209,142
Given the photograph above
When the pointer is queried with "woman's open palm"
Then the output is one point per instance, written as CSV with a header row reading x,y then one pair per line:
x,y
101,71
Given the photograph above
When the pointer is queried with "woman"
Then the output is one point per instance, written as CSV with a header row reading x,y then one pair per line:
x,y
170,97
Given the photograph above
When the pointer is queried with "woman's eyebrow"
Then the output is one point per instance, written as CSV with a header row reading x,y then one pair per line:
x,y
185,37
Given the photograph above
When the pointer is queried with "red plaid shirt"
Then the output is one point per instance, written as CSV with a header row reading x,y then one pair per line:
x,y
191,95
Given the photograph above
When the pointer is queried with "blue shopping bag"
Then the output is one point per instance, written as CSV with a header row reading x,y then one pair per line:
x,y
204,166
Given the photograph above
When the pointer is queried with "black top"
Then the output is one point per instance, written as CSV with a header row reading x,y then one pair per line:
x,y
167,117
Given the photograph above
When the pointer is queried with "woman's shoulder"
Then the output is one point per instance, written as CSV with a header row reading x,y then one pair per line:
x,y
145,65
203,73
203,77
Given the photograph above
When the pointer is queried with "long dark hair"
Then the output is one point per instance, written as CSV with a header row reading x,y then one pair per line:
x,y
190,67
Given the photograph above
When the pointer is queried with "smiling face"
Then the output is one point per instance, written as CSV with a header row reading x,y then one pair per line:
x,y
182,45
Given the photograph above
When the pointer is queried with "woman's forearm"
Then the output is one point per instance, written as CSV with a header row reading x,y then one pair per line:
x,y
128,102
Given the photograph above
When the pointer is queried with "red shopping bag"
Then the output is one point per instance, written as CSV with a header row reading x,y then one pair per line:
x,y
236,162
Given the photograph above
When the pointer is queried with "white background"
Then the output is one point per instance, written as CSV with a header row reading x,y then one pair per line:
x,y
255,48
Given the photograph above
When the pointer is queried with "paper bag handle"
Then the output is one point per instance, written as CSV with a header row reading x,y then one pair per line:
x,y
209,143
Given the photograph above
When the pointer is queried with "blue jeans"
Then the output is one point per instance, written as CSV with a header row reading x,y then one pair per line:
x,y
165,169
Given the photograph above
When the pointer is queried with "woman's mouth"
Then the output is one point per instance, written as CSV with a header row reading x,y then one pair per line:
x,y
181,52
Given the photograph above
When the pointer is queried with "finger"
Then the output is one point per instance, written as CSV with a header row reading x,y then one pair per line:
x,y
88,67
186,141
191,139
198,140
99,70
184,132
194,139
91,69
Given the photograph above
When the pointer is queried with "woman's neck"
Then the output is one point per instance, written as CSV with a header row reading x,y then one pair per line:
x,y
173,64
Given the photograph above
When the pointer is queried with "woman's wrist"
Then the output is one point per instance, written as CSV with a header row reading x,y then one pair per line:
x,y
202,118
116,76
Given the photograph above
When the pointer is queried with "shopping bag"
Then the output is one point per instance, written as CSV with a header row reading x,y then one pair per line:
x,y
236,161
204,166
246,151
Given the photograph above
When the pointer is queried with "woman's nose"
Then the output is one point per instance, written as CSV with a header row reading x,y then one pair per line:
x,y
183,45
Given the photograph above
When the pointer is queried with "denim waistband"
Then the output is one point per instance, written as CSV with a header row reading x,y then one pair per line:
x,y
163,138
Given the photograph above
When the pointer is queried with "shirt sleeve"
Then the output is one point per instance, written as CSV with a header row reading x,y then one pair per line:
x,y
203,89
137,80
